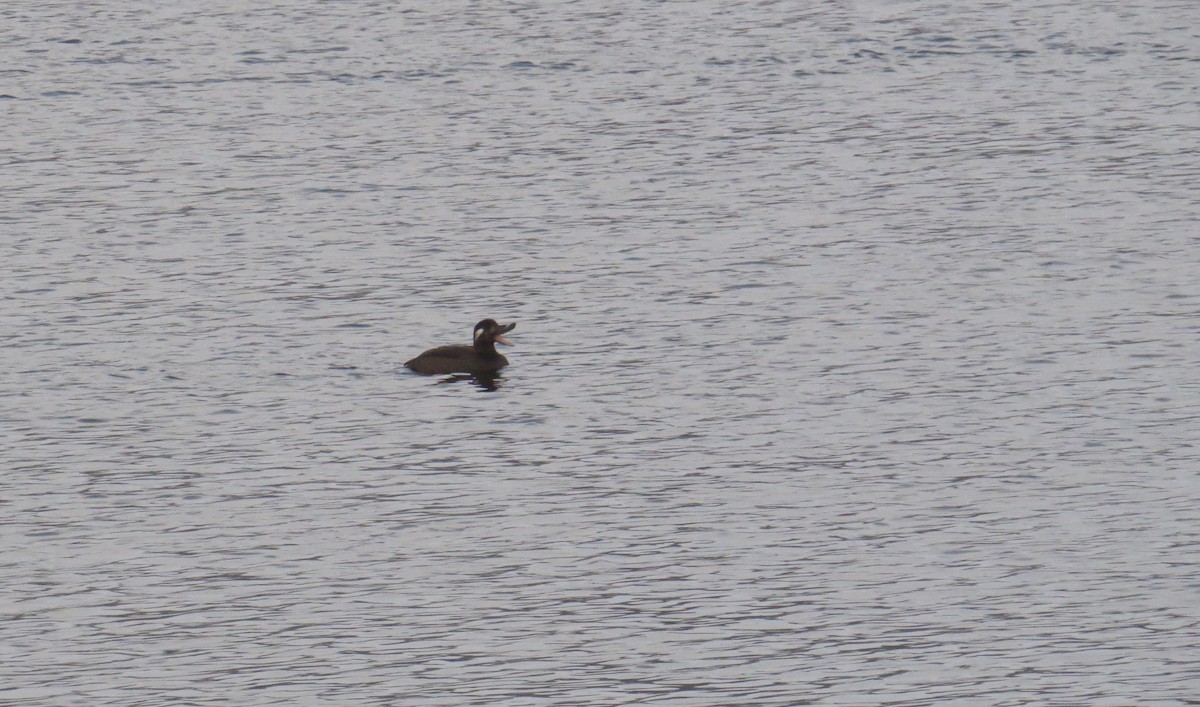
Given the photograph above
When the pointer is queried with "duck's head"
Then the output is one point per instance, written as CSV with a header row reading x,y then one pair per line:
x,y
491,330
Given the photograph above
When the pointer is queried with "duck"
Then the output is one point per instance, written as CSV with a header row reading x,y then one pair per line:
x,y
480,358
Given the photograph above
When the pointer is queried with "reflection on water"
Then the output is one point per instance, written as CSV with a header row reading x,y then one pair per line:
x,y
862,363
486,381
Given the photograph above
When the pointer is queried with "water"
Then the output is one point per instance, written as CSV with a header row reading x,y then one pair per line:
x,y
856,358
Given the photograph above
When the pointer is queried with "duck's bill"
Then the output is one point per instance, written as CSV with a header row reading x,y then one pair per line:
x,y
502,330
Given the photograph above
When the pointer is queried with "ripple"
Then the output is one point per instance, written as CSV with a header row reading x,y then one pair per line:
x,y
856,365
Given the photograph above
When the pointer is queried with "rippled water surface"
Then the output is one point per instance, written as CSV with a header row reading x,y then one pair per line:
x,y
857,358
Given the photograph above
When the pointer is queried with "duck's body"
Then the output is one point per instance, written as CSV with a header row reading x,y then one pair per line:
x,y
479,358
458,359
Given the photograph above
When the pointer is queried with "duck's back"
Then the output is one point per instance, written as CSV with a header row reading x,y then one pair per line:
x,y
456,359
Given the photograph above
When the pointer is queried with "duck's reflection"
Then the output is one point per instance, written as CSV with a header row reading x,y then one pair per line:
x,y
490,382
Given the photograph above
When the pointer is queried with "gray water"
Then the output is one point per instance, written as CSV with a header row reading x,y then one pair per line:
x,y
856,362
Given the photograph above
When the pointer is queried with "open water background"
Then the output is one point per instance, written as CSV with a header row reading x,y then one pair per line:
x,y
857,357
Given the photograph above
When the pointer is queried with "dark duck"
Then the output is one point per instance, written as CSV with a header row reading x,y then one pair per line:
x,y
480,358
